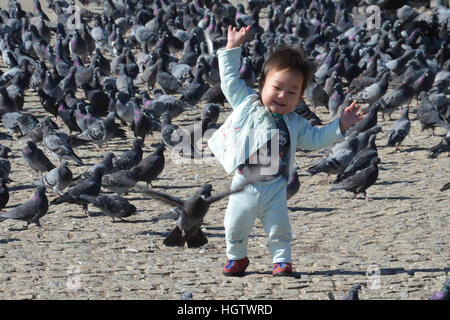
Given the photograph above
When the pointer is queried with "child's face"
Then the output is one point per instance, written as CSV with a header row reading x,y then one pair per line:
x,y
282,90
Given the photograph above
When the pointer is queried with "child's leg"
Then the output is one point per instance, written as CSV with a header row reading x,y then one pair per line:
x,y
239,219
275,219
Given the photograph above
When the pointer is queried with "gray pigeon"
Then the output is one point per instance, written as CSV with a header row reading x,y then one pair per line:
x,y
361,180
30,211
316,96
113,206
351,295
35,158
58,146
353,292
57,179
399,130
193,211
373,92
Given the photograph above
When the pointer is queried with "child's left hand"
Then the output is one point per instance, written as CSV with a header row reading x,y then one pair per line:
x,y
350,116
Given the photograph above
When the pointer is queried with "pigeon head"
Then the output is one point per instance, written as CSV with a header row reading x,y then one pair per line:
x,y
30,147
205,190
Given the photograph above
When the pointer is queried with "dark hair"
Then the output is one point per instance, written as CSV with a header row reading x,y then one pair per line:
x,y
285,57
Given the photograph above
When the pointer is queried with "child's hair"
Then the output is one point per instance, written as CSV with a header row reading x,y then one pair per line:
x,y
284,57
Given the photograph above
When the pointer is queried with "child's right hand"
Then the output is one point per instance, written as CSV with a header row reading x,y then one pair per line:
x,y
235,38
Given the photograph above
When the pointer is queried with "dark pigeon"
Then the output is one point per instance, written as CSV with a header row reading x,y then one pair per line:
x,y
443,146
30,211
194,209
113,206
293,184
4,193
152,165
399,130
444,294
121,181
361,160
90,187
130,158
351,295
361,180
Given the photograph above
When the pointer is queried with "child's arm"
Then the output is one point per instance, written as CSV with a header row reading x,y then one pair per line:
x,y
312,138
233,88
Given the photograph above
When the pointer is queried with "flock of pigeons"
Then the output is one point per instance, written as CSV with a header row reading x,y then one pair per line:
x,y
141,63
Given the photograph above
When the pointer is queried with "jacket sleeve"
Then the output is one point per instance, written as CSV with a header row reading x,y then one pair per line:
x,y
233,88
313,138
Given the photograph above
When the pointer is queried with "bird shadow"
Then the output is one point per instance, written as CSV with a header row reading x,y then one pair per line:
x,y
382,271
394,198
4,241
178,187
412,149
294,209
22,187
388,183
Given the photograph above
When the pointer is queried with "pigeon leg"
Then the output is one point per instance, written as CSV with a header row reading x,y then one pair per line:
x,y
367,197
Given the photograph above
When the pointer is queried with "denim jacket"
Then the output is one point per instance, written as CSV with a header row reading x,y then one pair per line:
x,y
251,125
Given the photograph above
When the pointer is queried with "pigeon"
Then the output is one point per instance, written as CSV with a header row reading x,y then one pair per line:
x,y
30,211
399,130
395,98
121,181
429,115
187,296
369,121
361,160
293,184
337,161
112,205
130,158
353,292
194,209
144,122
35,158
445,187
57,179
58,146
444,294
102,130
90,187
4,193
351,295
373,92
361,180
443,146
336,99
316,96
19,122
151,166
5,164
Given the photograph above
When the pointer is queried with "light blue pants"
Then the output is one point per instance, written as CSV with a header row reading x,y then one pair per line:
x,y
267,201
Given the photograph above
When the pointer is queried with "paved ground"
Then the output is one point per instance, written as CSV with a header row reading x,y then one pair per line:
x,y
395,245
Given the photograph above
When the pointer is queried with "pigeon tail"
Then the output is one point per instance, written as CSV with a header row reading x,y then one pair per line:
x,y
197,240
175,238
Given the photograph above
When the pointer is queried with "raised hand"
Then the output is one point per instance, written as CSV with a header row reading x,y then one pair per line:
x,y
350,116
235,38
